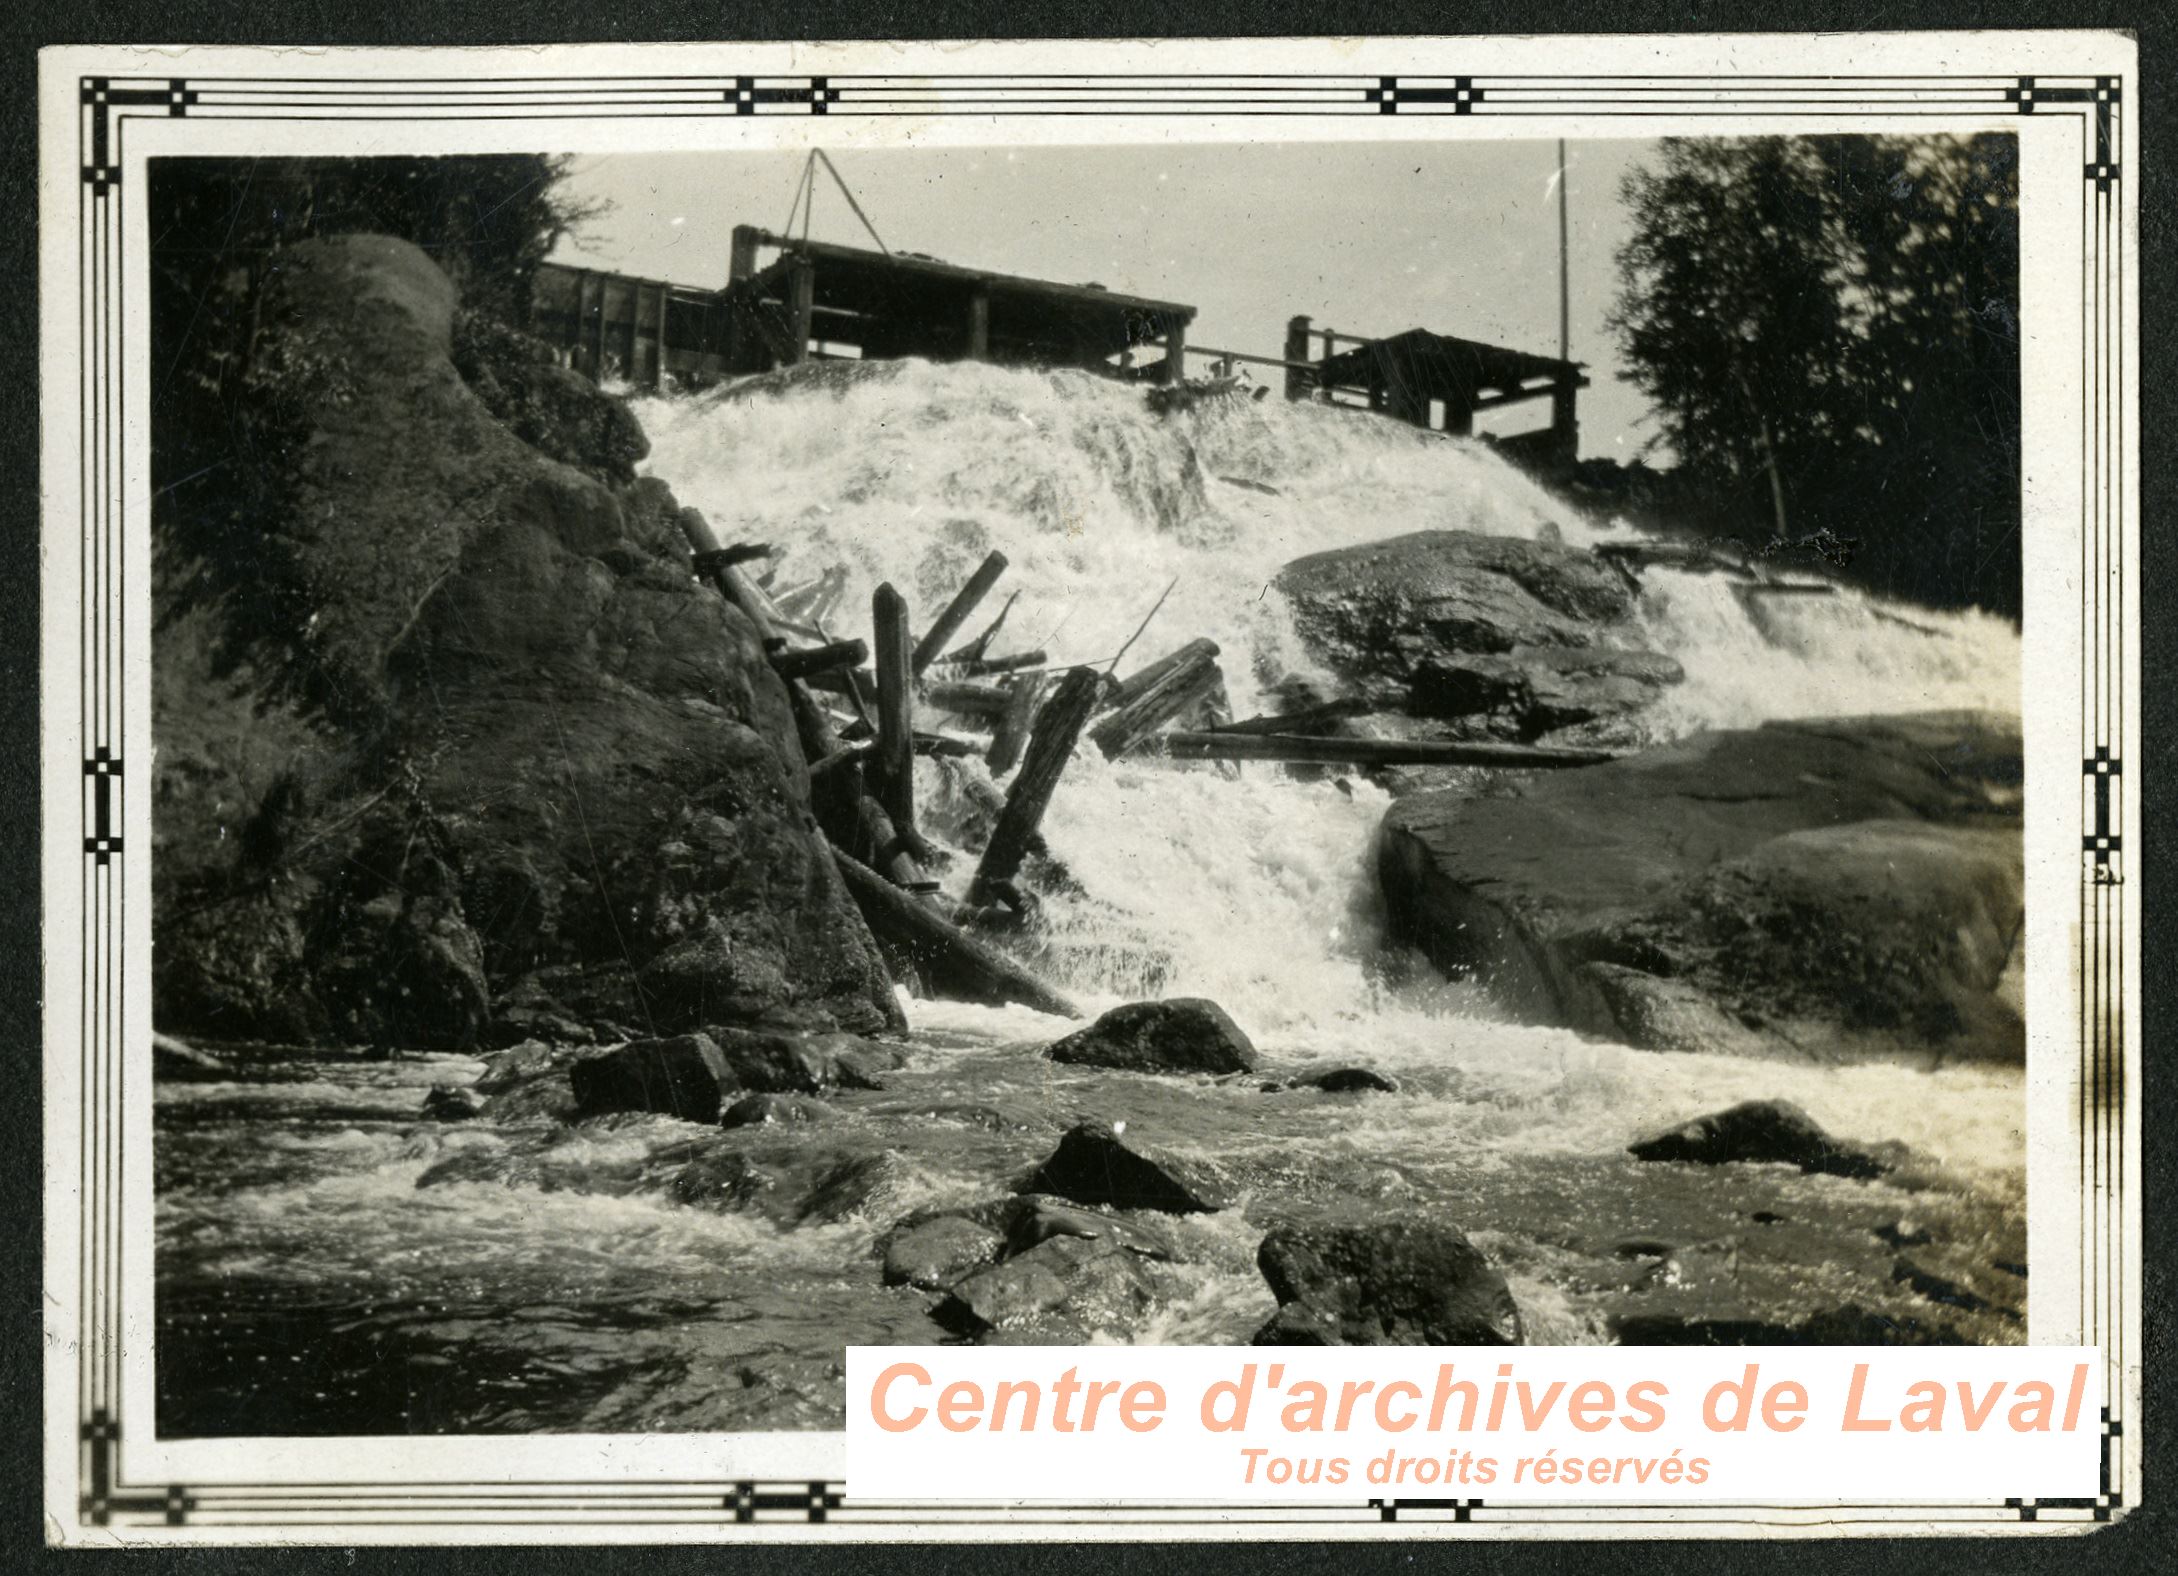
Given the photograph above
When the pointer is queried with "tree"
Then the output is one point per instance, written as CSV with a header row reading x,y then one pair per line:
x,y
1828,327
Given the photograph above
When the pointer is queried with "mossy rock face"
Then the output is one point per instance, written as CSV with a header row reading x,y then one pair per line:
x,y
461,632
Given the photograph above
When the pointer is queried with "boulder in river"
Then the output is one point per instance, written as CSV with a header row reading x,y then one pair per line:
x,y
785,1110
684,1076
1101,1163
452,1103
1819,890
772,1061
1094,1281
937,1252
1521,636
1760,1130
1396,1283
1185,1034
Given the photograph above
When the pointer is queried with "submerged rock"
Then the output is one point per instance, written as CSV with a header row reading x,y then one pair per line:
x,y
721,1179
685,1076
787,1110
933,1254
1350,1080
452,1103
769,1061
1400,1283
1099,1163
1851,1325
1182,1035
1823,890
1760,1130
1092,1280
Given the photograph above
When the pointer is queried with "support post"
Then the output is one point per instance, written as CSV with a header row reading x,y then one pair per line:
x,y
1011,735
1298,382
1050,747
801,306
895,711
956,611
658,369
979,326
743,264
1175,352
1565,427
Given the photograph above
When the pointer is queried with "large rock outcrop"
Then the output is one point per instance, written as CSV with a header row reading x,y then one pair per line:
x,y
1494,634
505,749
1843,888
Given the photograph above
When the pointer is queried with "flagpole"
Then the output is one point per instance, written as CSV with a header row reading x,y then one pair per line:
x,y
1565,288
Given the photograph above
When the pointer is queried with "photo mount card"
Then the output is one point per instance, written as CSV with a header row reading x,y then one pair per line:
x,y
459,501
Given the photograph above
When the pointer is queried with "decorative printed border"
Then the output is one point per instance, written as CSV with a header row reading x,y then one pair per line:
x,y
2107,1223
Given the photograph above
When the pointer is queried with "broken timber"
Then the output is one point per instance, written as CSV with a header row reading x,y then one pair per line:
x,y
1011,735
1227,745
1302,721
1187,677
895,713
827,658
1051,745
957,611
948,958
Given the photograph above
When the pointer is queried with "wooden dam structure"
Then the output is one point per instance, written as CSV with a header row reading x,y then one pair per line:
x,y
790,300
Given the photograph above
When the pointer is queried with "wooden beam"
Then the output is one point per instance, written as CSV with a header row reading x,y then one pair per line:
x,y
801,306
1011,735
1166,697
952,961
1051,745
827,658
895,709
1301,721
956,611
988,667
1230,746
969,699
1135,684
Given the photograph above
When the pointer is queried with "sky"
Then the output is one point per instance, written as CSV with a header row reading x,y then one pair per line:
x,y
1367,238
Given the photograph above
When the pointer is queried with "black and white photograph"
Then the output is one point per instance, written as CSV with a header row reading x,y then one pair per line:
x,y
1294,743
696,753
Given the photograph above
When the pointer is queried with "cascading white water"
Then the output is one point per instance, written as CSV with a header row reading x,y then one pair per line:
x,y
1256,892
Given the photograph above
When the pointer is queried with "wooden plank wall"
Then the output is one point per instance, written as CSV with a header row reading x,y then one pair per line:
x,y
612,326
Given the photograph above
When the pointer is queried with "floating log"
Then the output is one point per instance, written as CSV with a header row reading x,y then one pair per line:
x,y
1050,747
957,611
827,658
1136,683
879,841
969,699
1227,745
945,744
950,959
1301,721
1193,679
709,561
895,710
1011,735
845,755
985,667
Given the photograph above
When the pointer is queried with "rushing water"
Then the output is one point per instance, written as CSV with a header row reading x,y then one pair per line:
x,y
330,1263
